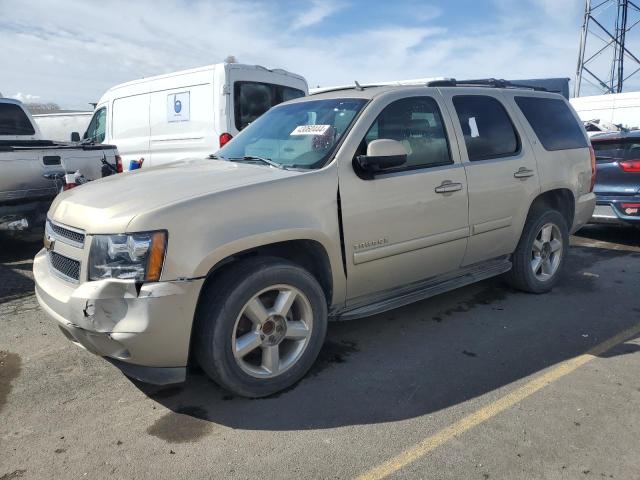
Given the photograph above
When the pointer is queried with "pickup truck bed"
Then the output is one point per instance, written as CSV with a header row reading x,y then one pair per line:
x,y
29,166
13,145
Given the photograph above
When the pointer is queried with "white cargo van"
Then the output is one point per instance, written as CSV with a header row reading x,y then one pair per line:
x,y
190,113
614,108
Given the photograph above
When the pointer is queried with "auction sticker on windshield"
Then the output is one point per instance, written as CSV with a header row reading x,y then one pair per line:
x,y
310,130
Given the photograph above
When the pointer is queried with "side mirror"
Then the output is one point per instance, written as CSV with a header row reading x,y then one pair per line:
x,y
75,137
381,155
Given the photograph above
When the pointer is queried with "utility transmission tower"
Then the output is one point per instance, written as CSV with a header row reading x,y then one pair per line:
x,y
604,46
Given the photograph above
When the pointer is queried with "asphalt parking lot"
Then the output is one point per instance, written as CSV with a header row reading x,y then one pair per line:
x,y
483,382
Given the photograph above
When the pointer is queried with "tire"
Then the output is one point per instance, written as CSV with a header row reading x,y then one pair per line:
x,y
522,274
229,313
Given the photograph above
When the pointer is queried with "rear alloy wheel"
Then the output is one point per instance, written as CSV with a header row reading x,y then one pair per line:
x,y
260,326
546,253
538,258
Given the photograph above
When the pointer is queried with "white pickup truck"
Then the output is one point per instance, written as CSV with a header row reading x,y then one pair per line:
x,y
32,169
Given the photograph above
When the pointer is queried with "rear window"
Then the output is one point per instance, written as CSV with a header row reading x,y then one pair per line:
x,y
610,151
252,99
552,121
13,120
486,126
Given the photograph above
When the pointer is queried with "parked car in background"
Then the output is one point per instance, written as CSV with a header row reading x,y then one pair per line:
x,y
60,126
339,205
32,169
190,113
617,178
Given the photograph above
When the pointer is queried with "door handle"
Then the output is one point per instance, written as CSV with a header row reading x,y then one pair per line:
x,y
524,172
448,187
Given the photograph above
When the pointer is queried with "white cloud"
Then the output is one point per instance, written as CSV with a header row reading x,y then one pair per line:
x,y
318,11
72,53
25,97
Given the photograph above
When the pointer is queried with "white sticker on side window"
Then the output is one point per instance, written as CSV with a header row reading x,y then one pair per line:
x,y
310,130
473,126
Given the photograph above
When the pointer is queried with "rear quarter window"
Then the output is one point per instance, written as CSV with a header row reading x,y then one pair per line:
x,y
553,123
13,121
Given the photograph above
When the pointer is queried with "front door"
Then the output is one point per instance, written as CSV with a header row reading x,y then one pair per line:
x,y
410,223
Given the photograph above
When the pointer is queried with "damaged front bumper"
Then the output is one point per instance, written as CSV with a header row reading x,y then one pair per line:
x,y
144,330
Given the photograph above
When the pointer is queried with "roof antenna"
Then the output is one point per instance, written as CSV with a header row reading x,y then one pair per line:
x,y
358,86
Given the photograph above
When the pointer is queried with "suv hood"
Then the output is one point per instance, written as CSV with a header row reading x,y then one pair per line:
x,y
108,205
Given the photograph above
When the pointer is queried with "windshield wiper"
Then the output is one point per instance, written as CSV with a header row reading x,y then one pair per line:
x,y
251,158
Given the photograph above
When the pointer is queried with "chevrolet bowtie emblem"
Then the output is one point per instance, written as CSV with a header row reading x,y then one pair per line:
x,y
49,243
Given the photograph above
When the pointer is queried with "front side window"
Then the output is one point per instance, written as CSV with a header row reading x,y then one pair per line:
x,y
13,120
415,122
96,131
486,126
252,99
297,135
552,121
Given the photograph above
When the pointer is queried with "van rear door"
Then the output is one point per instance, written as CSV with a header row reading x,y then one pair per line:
x,y
253,90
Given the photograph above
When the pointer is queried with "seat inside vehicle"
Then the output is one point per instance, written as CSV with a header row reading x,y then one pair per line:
x,y
425,143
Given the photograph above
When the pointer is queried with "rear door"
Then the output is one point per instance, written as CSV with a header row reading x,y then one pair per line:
x,y
402,226
501,172
254,90
23,173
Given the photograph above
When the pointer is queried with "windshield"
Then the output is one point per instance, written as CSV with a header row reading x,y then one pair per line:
x,y
297,135
96,130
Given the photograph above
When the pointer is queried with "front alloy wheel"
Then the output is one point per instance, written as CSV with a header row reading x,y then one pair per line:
x,y
272,331
260,326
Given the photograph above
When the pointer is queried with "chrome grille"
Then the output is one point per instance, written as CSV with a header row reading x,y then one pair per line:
x,y
65,234
66,267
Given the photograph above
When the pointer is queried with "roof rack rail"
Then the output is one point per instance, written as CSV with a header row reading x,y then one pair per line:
x,y
442,82
484,82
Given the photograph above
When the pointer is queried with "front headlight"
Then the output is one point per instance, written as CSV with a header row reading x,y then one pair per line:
x,y
136,256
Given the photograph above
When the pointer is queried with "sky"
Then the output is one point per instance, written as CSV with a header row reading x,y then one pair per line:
x,y
71,51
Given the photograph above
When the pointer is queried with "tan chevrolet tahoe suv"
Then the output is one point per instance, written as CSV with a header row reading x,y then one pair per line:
x,y
337,206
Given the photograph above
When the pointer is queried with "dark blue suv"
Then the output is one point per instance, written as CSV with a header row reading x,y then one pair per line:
x,y
617,178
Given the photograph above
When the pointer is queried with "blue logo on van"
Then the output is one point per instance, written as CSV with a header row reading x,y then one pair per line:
x,y
177,106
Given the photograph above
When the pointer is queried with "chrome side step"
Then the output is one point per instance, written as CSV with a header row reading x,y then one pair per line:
x,y
426,289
